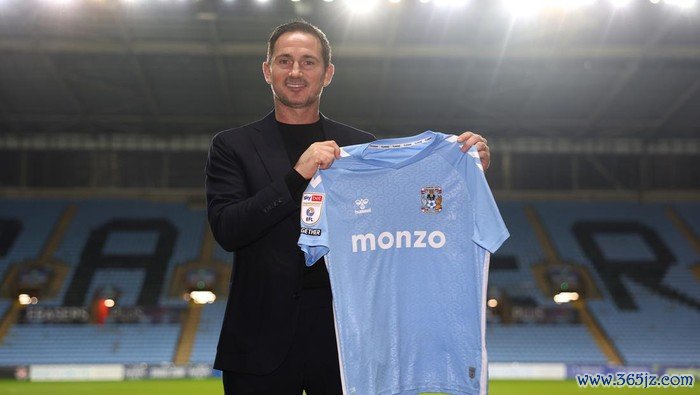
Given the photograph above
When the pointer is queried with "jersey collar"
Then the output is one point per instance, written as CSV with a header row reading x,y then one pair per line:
x,y
386,153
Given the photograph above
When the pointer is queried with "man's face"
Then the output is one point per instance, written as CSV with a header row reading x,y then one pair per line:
x,y
296,71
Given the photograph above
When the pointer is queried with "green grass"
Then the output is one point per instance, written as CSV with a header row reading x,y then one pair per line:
x,y
213,386
145,387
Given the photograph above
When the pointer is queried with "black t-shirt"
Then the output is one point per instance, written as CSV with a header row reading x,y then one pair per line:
x,y
296,139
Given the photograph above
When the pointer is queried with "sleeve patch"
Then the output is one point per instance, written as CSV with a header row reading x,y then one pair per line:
x,y
311,207
311,232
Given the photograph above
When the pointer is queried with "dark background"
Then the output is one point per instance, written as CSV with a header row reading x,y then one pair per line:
x,y
112,94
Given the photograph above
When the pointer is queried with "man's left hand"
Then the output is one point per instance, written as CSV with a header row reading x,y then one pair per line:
x,y
469,139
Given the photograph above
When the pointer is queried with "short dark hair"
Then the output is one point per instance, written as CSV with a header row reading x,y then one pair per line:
x,y
300,25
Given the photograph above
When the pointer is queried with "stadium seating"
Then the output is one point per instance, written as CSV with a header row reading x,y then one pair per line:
x,y
4,305
73,343
208,333
37,218
651,319
660,330
569,343
189,226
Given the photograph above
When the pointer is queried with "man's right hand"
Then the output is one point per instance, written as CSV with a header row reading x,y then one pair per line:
x,y
318,156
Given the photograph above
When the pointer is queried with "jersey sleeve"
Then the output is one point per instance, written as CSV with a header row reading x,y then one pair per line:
x,y
314,224
489,230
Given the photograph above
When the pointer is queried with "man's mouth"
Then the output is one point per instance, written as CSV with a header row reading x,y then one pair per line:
x,y
296,85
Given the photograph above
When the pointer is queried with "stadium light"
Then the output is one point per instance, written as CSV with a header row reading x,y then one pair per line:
x,y
684,4
565,297
24,299
202,297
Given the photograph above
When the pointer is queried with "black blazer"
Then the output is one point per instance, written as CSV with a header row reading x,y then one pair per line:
x,y
252,213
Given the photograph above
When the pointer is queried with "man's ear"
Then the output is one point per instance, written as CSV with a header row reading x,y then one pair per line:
x,y
328,75
267,73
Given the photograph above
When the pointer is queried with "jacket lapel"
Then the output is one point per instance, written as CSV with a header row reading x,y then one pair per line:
x,y
269,147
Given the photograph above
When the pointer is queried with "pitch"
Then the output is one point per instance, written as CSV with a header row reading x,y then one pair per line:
x,y
213,387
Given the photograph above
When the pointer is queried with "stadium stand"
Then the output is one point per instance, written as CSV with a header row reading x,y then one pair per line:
x,y
36,219
649,251
208,333
73,343
5,304
565,343
639,259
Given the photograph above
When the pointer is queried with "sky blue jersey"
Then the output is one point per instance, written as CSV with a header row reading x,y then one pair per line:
x,y
406,226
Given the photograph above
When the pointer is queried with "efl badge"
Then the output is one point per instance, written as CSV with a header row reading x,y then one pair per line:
x,y
311,205
431,199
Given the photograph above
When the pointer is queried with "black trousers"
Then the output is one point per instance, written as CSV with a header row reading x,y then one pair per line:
x,y
312,362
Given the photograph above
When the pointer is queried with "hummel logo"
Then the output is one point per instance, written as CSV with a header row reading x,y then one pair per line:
x,y
362,204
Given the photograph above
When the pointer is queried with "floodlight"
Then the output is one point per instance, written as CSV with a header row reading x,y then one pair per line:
x,y
566,297
24,299
202,297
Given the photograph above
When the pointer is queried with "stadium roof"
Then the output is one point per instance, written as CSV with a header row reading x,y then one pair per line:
x,y
193,68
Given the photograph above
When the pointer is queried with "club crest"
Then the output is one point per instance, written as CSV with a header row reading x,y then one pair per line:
x,y
431,199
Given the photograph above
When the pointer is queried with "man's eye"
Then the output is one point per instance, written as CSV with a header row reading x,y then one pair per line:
x,y
284,61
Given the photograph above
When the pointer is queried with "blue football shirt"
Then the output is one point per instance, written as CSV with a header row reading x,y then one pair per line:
x,y
406,226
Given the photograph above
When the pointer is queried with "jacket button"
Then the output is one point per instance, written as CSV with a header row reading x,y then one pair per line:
x,y
295,295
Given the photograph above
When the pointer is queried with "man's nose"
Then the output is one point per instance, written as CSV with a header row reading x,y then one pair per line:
x,y
296,70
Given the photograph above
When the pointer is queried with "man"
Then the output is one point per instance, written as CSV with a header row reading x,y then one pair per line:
x,y
278,333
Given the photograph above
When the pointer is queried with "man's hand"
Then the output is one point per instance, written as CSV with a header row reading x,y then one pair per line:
x,y
318,156
470,139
